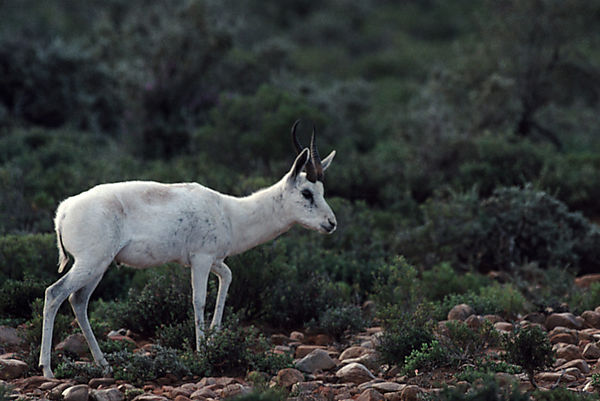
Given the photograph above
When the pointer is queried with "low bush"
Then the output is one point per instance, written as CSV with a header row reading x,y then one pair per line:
x,y
529,348
342,320
489,390
16,297
80,372
234,350
166,299
427,358
138,367
512,227
403,333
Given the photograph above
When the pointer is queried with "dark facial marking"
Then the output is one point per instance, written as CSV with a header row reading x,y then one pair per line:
x,y
307,194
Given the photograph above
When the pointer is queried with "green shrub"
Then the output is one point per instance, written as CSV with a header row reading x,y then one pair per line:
x,y
485,369
55,83
465,345
178,335
397,284
342,320
138,367
563,394
442,280
489,390
5,392
234,350
32,255
503,299
403,333
429,357
529,348
80,372
512,227
16,297
165,300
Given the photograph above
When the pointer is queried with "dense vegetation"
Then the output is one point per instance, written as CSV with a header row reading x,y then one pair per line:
x,y
466,132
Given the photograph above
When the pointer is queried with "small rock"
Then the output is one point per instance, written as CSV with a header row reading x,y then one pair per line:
x,y
56,392
474,322
203,393
370,394
279,339
580,364
354,352
388,387
369,359
304,350
411,393
101,381
503,326
181,398
75,344
460,312
395,396
592,318
296,336
568,352
591,351
586,280
318,359
79,392
565,319
355,373
10,336
110,394
306,387
12,368
568,338
535,317
322,339
554,376
150,397
288,377
234,389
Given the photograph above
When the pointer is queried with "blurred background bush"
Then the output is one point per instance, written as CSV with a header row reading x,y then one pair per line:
x,y
466,132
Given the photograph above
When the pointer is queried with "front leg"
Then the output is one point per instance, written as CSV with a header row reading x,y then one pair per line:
x,y
224,274
201,265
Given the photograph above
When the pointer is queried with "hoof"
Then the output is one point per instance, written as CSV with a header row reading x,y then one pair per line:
x,y
47,372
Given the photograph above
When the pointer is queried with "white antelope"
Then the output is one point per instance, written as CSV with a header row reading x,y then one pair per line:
x,y
144,224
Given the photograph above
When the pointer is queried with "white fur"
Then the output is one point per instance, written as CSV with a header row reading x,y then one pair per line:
x,y
144,224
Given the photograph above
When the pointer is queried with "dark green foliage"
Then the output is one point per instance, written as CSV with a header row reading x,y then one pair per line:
x,y
138,367
529,348
80,372
31,255
234,350
427,358
342,320
563,394
16,297
489,390
165,299
463,344
5,392
56,83
512,227
404,333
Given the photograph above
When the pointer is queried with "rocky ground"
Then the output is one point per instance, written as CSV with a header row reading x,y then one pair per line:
x,y
328,371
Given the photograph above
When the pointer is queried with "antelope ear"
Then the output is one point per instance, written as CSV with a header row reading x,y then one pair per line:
x,y
299,164
327,161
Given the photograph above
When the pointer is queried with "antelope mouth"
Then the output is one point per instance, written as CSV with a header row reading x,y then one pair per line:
x,y
328,229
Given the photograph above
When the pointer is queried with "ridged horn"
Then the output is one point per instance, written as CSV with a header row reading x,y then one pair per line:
x,y
314,156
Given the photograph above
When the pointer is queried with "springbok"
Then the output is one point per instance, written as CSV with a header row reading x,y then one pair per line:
x,y
144,224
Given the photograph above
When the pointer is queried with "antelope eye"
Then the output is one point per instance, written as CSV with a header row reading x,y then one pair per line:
x,y
307,194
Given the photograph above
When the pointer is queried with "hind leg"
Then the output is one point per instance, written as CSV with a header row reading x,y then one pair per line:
x,y
79,302
76,278
222,271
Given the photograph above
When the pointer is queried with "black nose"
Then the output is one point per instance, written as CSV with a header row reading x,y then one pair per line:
x,y
331,223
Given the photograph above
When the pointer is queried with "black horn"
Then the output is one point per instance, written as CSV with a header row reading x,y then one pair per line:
x,y
311,172
315,158
295,140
